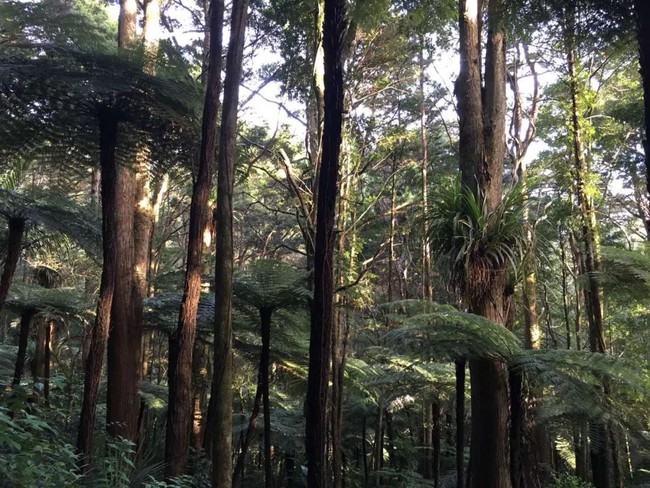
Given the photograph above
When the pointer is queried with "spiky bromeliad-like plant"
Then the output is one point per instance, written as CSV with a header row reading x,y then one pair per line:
x,y
471,243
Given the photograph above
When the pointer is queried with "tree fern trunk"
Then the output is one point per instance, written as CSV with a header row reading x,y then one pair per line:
x,y
14,244
252,422
23,338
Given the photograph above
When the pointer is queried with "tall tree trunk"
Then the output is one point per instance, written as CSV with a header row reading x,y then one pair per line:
x,y
601,455
642,11
322,313
123,361
14,244
23,338
482,154
49,332
427,288
145,206
99,335
222,378
181,342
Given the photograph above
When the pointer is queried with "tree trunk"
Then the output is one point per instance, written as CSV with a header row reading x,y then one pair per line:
x,y
601,455
642,11
99,335
252,422
181,342
14,244
482,154
427,288
265,359
436,433
322,314
123,361
460,423
23,338
222,379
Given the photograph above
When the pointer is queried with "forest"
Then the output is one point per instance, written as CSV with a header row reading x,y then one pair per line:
x,y
324,243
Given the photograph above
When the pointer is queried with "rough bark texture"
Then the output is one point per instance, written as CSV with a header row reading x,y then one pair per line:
x,y
181,342
123,361
468,93
23,337
123,357
16,232
99,334
322,313
482,154
222,380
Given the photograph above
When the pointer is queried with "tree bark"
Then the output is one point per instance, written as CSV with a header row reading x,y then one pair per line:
x,y
222,379
322,311
642,11
14,244
181,342
99,334
482,154
123,361
23,338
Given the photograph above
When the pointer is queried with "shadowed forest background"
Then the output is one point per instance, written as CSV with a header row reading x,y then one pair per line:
x,y
325,243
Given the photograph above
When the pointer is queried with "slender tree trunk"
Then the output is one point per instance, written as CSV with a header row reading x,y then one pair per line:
x,y
222,376
181,343
436,433
601,455
322,314
642,11
252,422
99,335
460,423
364,449
16,232
265,359
49,331
23,338
427,437
427,288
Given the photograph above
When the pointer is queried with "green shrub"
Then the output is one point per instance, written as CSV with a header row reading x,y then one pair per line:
x,y
567,480
32,453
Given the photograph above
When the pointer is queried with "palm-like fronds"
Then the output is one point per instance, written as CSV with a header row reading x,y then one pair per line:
x,y
471,243
53,302
270,284
56,214
448,333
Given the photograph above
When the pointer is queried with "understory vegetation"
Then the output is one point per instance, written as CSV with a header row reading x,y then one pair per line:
x,y
324,243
